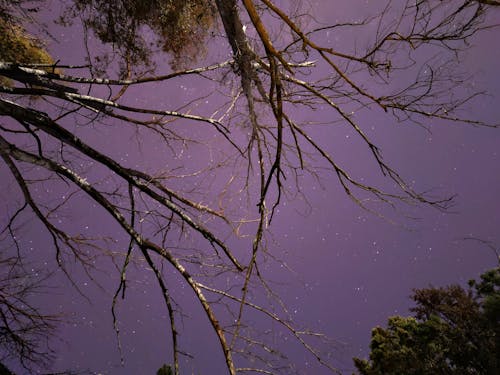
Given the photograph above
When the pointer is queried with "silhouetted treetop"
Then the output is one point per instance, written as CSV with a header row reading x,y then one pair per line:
x,y
454,332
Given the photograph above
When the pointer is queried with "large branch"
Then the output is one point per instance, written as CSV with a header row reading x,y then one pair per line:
x,y
143,243
133,177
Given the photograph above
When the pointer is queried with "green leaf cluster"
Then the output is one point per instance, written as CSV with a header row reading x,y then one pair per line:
x,y
136,28
454,332
17,45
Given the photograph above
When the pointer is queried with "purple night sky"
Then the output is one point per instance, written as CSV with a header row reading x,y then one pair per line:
x,y
350,269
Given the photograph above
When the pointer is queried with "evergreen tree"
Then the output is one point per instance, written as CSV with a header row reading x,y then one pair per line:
x,y
454,331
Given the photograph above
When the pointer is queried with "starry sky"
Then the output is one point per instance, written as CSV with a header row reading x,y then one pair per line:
x,y
347,269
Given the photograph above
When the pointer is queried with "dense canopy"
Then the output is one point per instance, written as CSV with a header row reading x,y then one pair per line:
x,y
454,331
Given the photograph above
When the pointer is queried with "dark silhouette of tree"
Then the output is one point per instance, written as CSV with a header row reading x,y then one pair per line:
x,y
4,370
454,331
260,149
164,370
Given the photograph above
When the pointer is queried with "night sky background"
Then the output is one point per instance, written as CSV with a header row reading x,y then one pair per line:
x,y
350,269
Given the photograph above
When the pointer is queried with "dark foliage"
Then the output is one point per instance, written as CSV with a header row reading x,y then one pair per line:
x,y
454,331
